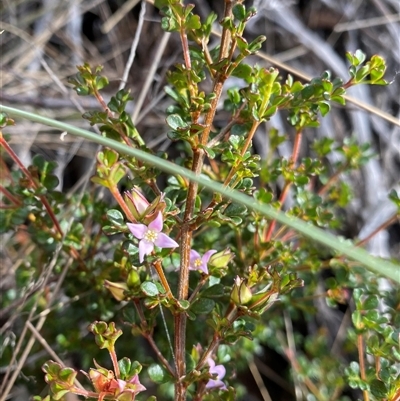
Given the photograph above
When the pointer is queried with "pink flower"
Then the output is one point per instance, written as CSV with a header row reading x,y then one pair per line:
x,y
129,389
218,370
200,263
151,236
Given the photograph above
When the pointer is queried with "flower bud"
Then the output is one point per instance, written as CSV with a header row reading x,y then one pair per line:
x,y
136,203
221,258
133,280
143,211
241,294
117,289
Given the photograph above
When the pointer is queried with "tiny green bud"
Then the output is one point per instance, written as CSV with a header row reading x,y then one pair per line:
x,y
241,294
221,259
133,280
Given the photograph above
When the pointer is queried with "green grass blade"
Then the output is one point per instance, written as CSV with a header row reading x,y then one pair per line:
x,y
380,266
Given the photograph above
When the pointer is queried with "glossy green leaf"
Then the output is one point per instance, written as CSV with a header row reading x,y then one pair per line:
x,y
156,373
115,217
149,288
202,306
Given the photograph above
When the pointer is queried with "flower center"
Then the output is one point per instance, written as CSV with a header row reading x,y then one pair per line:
x,y
151,235
198,262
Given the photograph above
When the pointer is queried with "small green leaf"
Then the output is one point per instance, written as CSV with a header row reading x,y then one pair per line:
x,y
67,375
360,56
243,71
235,209
239,12
202,306
50,181
193,22
39,162
362,73
371,302
124,367
324,108
176,122
115,217
101,82
215,291
378,389
184,304
358,320
149,288
256,44
156,373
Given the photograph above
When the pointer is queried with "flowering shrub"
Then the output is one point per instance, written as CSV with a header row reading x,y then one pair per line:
x,y
203,264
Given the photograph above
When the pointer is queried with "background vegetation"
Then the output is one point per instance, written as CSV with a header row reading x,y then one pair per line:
x,y
306,346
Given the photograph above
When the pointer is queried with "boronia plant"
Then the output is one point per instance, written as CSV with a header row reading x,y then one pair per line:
x,y
196,257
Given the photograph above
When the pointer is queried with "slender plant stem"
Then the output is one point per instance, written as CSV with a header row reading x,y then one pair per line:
x,y
231,315
332,180
114,360
384,225
226,34
159,354
246,145
185,48
5,172
396,397
360,347
199,286
293,160
13,199
187,231
226,129
309,383
158,267
183,285
147,333
120,200
33,182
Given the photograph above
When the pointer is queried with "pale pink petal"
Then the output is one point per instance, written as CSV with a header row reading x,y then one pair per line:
x,y
203,267
219,370
163,241
138,386
215,384
138,230
140,201
157,223
145,248
194,255
121,384
206,257
211,363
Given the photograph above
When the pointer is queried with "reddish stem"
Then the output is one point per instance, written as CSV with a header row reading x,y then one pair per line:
x,y
114,360
33,182
10,196
384,225
163,279
117,196
293,160
5,172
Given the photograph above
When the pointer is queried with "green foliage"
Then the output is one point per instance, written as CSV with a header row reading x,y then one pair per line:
x,y
254,263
